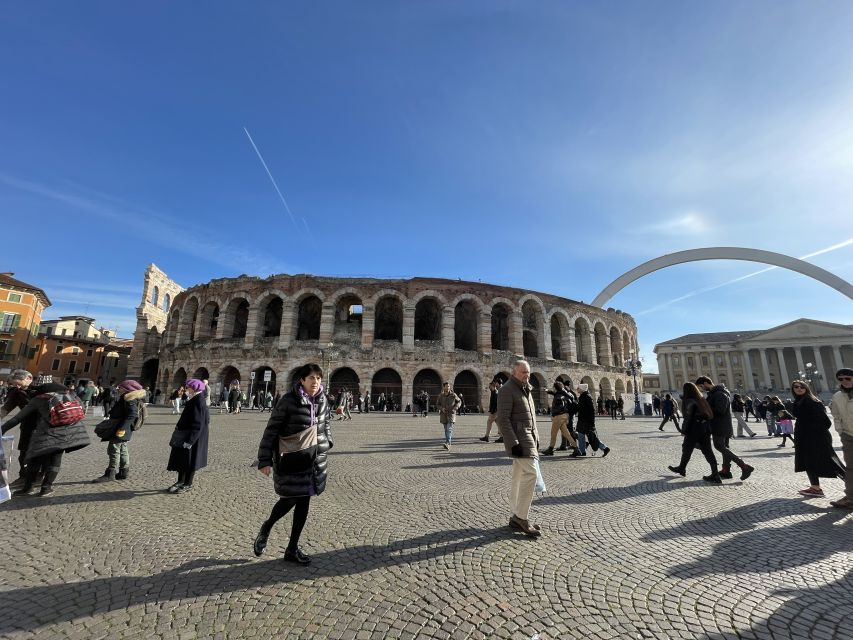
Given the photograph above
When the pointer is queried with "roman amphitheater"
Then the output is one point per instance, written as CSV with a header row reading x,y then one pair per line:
x,y
392,336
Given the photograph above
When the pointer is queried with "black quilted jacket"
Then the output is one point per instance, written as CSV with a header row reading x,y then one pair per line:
x,y
301,473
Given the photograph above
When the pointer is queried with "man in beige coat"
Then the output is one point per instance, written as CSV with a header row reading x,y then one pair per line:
x,y
448,404
842,414
516,418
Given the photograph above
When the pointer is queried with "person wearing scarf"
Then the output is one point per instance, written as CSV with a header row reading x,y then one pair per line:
x,y
294,449
190,438
842,414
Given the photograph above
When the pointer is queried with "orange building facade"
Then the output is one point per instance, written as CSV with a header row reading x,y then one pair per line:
x,y
21,308
69,360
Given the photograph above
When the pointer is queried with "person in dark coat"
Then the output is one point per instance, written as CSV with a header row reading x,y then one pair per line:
x,y
696,431
48,442
586,424
190,438
294,448
124,414
813,452
721,426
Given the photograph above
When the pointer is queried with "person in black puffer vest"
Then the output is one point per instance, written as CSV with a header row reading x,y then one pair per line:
x,y
294,448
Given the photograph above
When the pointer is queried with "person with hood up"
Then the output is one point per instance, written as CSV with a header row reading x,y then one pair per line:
x,y
294,449
190,439
48,441
842,413
124,415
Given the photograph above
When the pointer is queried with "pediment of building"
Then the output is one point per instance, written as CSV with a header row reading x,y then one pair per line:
x,y
803,330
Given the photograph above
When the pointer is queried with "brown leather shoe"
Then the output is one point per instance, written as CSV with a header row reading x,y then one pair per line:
x,y
844,503
525,527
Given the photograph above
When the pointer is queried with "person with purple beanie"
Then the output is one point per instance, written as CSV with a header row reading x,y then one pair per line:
x,y
190,438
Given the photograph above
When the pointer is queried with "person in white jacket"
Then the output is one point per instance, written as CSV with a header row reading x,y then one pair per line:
x,y
842,415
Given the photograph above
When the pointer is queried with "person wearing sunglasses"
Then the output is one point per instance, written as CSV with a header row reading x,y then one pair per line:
x,y
813,452
842,413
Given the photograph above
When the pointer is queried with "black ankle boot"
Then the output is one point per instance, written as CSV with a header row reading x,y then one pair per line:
x,y
261,541
296,555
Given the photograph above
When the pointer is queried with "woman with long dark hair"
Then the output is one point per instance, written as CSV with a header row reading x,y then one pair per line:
x,y
697,432
293,448
813,452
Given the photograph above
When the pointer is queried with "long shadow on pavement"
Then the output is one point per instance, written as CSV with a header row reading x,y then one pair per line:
x,y
603,495
32,502
29,608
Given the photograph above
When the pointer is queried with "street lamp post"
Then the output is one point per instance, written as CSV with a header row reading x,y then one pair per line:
x,y
634,366
812,376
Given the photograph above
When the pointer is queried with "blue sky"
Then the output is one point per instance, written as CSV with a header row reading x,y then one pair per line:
x,y
548,145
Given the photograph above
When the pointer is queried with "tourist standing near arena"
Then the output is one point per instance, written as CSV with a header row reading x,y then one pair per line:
x,y
697,432
123,416
494,387
190,438
517,421
294,448
721,426
448,404
842,412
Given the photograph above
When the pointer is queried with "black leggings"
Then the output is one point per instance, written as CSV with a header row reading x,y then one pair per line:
x,y
186,478
300,516
694,437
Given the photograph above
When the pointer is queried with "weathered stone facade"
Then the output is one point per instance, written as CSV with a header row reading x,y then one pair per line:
x,y
158,294
389,336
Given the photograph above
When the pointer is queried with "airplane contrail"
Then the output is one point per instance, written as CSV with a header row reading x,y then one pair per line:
x,y
275,186
690,294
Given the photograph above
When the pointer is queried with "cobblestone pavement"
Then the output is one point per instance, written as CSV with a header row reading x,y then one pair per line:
x,y
411,541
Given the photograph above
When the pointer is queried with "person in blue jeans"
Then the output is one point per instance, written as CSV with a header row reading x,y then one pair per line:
x,y
586,424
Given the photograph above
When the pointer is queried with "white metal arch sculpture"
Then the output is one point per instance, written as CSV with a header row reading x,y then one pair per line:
x,y
724,253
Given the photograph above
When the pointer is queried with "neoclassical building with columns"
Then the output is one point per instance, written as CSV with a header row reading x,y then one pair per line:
x,y
391,336
762,361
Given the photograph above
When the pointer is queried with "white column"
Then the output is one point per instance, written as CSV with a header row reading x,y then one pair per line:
x,y
715,375
664,375
821,369
798,353
747,370
836,353
683,357
727,355
764,363
782,368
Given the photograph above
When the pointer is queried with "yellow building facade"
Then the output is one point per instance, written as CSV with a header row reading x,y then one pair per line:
x,y
21,308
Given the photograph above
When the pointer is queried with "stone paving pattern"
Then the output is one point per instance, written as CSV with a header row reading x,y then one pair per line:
x,y
410,541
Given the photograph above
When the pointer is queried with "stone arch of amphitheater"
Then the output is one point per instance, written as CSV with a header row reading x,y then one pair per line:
x,y
396,336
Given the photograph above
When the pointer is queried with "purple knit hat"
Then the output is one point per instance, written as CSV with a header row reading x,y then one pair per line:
x,y
129,385
195,385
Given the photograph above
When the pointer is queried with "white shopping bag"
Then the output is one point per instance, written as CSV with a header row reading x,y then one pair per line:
x,y
97,412
540,481
6,446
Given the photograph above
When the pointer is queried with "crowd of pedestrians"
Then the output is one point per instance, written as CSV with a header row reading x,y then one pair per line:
x,y
295,443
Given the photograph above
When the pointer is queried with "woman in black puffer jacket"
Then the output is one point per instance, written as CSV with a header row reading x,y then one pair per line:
x,y
48,442
294,448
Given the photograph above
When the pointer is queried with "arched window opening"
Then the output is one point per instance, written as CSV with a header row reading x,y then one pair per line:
x,y
428,319
272,318
465,326
500,327
389,319
308,319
